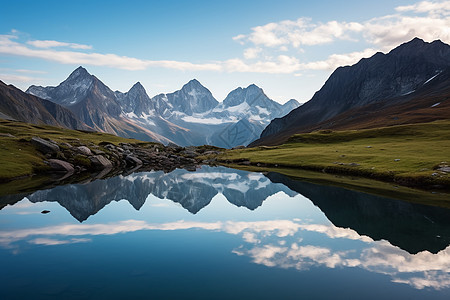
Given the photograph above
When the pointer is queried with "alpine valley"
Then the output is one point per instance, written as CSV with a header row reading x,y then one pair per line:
x,y
189,116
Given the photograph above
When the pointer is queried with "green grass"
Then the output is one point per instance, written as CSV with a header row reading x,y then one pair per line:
x,y
419,148
19,158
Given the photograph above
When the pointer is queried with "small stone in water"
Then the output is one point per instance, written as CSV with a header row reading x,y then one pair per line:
x,y
45,212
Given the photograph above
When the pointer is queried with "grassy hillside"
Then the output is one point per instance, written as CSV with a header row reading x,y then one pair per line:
x,y
406,154
20,158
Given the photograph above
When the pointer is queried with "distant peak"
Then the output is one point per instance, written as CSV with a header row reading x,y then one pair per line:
x,y
81,69
417,40
138,88
137,85
417,45
193,83
293,101
253,86
79,72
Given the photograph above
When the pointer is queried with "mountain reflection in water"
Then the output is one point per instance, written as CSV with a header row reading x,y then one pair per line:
x,y
408,242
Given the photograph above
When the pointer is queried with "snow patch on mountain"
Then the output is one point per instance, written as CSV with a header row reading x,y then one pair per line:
x,y
211,121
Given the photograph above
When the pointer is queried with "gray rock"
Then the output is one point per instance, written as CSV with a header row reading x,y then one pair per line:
x,y
100,162
444,169
7,135
110,147
97,151
66,145
44,146
133,160
61,166
172,145
189,154
211,153
190,148
397,159
84,150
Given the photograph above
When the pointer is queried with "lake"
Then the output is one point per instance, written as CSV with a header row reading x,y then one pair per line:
x,y
219,233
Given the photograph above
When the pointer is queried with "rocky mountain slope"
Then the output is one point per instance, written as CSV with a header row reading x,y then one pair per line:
x,y
94,104
384,80
20,106
189,116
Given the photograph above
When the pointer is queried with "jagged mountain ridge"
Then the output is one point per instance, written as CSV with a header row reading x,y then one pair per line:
x,y
383,77
20,106
189,116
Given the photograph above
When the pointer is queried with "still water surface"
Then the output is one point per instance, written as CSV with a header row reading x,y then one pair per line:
x,y
220,233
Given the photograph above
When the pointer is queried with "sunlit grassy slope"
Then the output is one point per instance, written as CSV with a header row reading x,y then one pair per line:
x,y
19,158
407,154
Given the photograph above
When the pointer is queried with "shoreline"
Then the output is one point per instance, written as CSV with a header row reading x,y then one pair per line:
x,y
423,183
434,197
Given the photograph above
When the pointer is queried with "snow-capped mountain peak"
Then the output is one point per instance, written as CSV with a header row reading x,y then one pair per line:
x,y
70,91
77,73
189,116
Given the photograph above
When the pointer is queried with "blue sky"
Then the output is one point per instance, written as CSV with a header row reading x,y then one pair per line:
x,y
289,48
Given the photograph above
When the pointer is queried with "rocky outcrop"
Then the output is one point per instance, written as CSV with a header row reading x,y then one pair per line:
x,y
44,146
60,166
100,162
107,158
20,106
382,77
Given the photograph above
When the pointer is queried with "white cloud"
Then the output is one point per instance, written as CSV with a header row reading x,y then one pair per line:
x,y
427,7
299,32
251,53
283,64
388,32
9,46
281,42
17,78
337,60
427,20
23,71
53,242
52,44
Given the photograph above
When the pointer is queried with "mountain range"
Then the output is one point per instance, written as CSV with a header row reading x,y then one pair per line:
x,y
16,105
410,84
189,116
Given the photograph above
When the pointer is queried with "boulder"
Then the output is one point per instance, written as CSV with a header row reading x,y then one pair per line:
x,y
84,150
44,146
61,166
189,154
444,169
100,162
97,151
212,153
133,160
